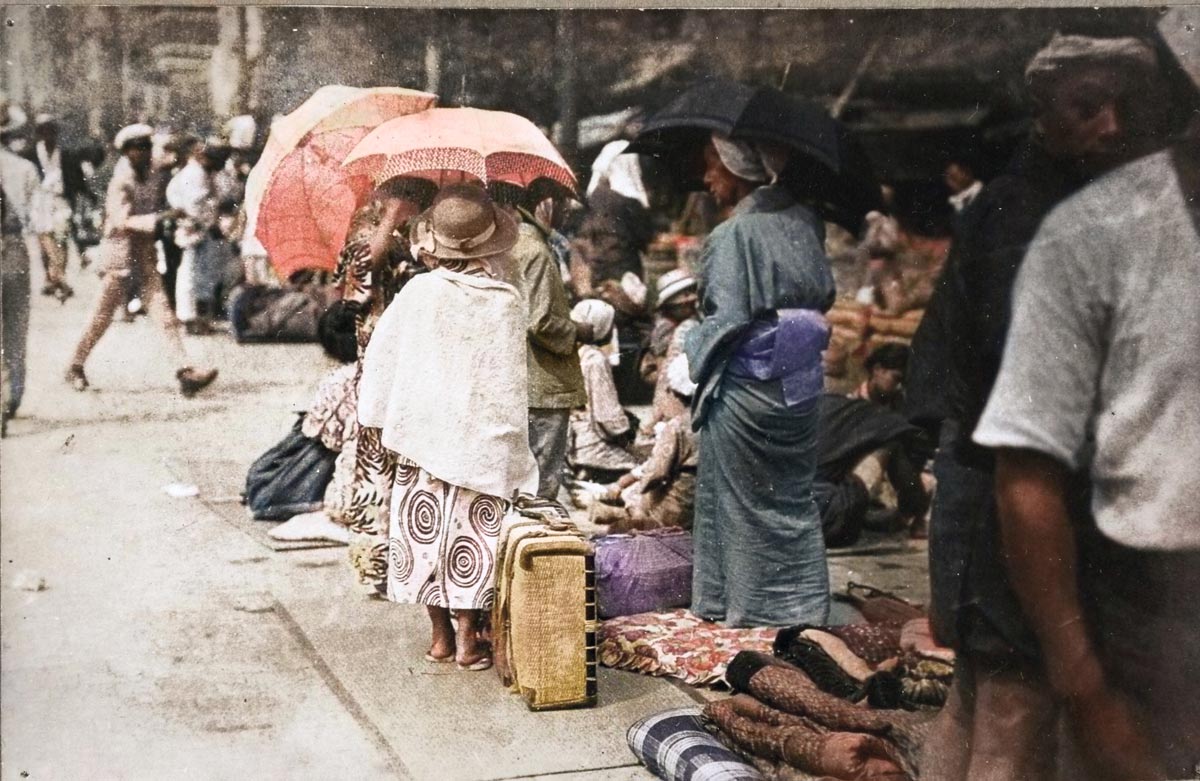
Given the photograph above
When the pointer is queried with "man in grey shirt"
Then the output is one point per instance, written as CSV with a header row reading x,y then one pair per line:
x,y
1100,377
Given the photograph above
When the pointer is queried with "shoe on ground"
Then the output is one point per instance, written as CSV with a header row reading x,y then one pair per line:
x,y
63,292
192,381
76,378
197,328
49,289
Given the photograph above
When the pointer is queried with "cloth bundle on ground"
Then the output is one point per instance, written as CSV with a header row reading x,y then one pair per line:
x,y
258,313
290,478
678,644
642,572
676,746
914,673
784,719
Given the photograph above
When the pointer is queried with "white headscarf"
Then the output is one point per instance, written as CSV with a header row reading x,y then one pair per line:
x,y
622,171
596,313
753,162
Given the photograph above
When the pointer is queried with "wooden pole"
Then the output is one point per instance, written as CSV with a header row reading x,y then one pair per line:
x,y
566,38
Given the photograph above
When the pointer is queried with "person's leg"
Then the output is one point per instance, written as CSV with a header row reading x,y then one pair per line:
x,y
442,645
548,439
1015,728
155,300
472,650
111,295
55,254
185,287
946,751
14,307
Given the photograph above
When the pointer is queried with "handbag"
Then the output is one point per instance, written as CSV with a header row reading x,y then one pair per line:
x,y
290,478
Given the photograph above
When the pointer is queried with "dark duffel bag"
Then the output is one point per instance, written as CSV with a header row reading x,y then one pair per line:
x,y
290,478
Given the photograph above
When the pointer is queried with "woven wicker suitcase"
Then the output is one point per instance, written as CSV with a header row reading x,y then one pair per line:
x,y
544,617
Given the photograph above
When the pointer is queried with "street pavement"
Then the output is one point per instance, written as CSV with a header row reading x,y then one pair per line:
x,y
172,638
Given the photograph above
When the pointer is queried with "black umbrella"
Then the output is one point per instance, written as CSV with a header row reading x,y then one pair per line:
x,y
828,168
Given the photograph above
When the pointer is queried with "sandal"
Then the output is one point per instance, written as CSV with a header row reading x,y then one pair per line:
x,y
429,657
482,663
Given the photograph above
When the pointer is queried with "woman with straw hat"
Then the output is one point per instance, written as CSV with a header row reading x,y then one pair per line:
x,y
444,378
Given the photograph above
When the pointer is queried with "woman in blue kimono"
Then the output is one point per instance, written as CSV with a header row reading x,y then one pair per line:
x,y
756,359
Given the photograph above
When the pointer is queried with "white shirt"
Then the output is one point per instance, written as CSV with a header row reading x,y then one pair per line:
x,y
19,181
1101,370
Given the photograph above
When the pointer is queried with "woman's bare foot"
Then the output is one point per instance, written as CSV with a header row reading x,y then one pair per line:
x,y
442,646
472,652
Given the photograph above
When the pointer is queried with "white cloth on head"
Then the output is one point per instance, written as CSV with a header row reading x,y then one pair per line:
x,y
621,170
444,377
741,158
131,132
596,313
1066,49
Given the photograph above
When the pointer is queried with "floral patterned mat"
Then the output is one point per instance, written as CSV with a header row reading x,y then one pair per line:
x,y
677,644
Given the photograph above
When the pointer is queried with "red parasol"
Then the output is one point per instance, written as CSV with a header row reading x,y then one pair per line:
x,y
299,198
449,144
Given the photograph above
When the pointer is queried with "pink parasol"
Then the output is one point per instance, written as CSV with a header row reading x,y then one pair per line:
x,y
299,198
449,144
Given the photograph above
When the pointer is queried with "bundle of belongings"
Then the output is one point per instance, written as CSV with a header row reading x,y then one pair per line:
x,y
843,702
261,313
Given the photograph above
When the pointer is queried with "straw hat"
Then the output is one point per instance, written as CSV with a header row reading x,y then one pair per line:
x,y
673,283
463,224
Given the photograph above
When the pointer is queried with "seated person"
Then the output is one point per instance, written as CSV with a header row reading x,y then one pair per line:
x,y
662,491
600,431
886,367
332,417
677,315
869,458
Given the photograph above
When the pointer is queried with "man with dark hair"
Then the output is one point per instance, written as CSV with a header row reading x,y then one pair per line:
x,y
1094,107
885,367
133,208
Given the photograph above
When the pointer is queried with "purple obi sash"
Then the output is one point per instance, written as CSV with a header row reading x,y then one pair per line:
x,y
786,347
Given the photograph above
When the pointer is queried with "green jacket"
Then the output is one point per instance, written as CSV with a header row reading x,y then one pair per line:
x,y
555,380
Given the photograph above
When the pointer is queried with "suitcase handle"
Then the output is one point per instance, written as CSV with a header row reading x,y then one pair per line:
x,y
567,547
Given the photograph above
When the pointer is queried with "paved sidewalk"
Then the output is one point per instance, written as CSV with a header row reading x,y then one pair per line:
x,y
172,640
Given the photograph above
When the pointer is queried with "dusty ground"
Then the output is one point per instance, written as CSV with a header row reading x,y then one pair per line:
x,y
173,640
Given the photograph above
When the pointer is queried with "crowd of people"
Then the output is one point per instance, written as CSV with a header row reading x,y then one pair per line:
x,y
493,344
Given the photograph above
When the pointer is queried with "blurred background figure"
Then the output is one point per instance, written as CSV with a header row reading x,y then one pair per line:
x,y
62,182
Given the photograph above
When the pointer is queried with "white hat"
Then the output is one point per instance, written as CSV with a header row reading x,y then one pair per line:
x,y
131,133
596,313
678,376
674,282
12,119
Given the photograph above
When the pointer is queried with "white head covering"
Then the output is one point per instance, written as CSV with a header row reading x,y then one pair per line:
x,y
131,132
754,162
679,378
674,282
742,159
622,171
596,313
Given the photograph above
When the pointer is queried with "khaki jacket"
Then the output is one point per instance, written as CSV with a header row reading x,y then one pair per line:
x,y
555,379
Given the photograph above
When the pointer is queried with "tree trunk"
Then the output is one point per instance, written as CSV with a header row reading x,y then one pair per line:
x,y
566,40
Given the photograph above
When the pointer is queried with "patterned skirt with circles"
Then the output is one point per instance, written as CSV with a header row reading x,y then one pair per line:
x,y
441,542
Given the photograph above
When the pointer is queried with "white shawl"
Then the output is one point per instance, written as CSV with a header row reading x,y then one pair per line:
x,y
444,377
